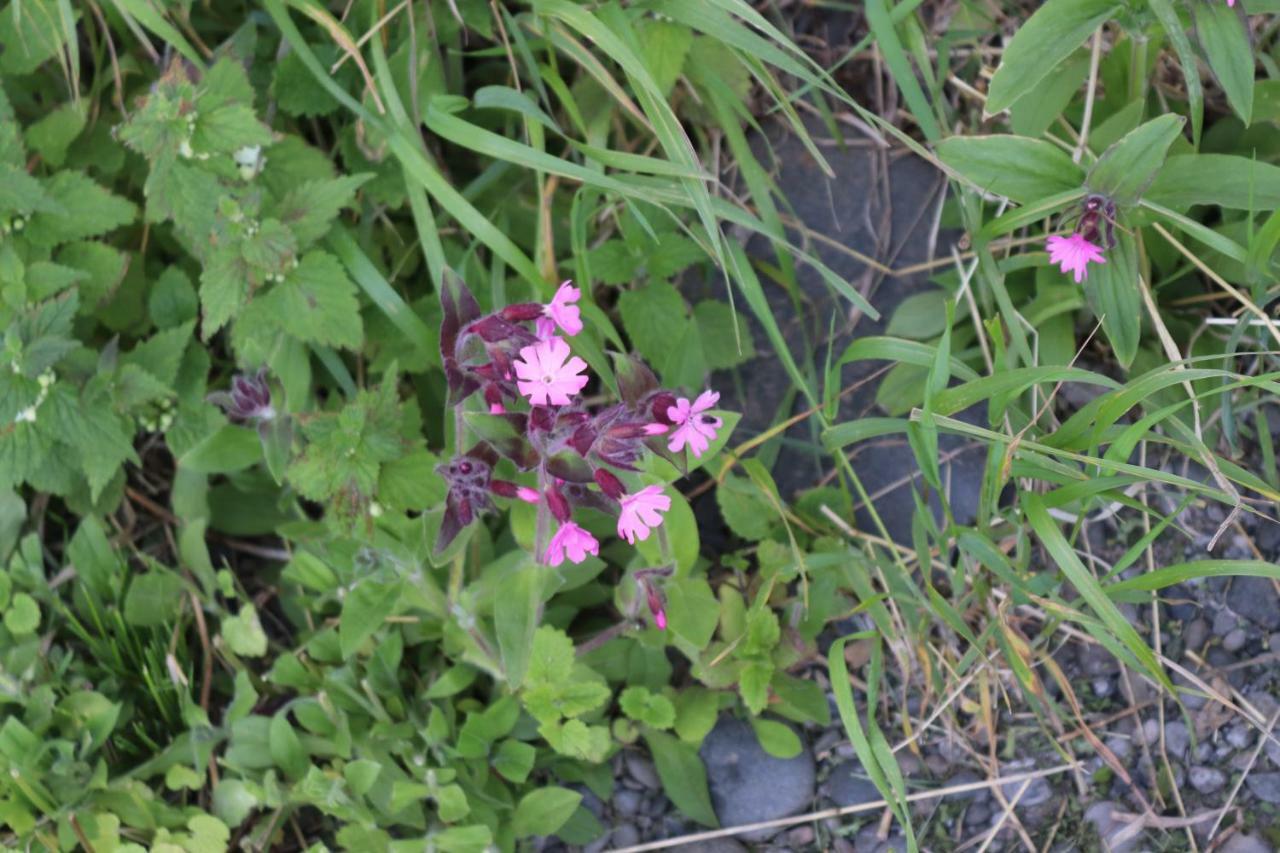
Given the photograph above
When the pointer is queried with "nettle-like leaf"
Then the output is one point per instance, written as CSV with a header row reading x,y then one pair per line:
x,y
645,706
347,449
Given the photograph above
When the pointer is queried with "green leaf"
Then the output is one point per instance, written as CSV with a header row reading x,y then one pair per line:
x,y
696,709
745,508
310,209
153,598
654,317
1227,47
1112,291
1124,170
31,32
716,322
651,709
243,632
287,751
1021,169
364,611
692,610
514,760
1239,183
173,299
51,135
85,210
23,615
684,778
551,657
919,317
753,685
543,811
316,303
232,448
664,46
777,739
411,483
1170,575
515,617
1054,32
233,801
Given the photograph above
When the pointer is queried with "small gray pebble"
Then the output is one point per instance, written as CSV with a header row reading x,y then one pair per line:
x,y
1224,622
1176,738
1207,780
977,815
626,802
800,837
624,835
642,771
1238,735
1235,640
1265,786
1194,634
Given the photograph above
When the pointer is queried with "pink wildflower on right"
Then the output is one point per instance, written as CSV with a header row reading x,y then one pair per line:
x,y
561,311
544,375
693,427
571,541
640,512
1074,254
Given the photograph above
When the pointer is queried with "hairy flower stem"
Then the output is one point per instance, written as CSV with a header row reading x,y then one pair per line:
x,y
664,547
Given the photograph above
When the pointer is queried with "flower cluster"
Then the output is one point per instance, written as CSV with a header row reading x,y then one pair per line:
x,y
1096,225
519,361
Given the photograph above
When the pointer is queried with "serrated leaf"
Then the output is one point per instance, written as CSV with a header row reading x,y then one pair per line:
x,y
86,209
664,46
745,508
651,709
753,685
51,135
654,317
309,209
316,303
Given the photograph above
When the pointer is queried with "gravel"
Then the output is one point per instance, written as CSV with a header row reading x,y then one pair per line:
x,y
848,785
1256,600
641,769
1207,780
1265,786
1245,844
749,785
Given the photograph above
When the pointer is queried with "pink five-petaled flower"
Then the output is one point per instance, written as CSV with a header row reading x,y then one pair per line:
x,y
561,311
571,541
692,427
1074,254
640,512
544,376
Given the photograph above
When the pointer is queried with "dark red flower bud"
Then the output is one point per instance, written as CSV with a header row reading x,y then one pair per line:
x,y
657,605
493,397
582,439
492,329
608,483
541,419
249,398
658,405
559,506
522,312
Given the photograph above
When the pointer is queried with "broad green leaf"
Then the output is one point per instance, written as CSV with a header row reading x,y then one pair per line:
x,y
644,706
309,209
23,615
692,610
1021,169
1227,46
243,632
723,348
364,610
152,598
1112,291
287,750
31,32
684,778
1125,169
232,448
515,617
85,209
696,709
316,303
543,811
1225,180
1054,32
777,739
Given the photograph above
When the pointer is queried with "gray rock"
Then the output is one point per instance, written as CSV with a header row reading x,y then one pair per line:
x,y
1273,751
626,802
641,769
848,785
1102,816
799,838
1195,633
1256,600
1239,735
1039,791
966,777
977,815
1097,662
1265,786
1207,780
624,835
1245,844
1235,640
1176,739
749,785
1224,622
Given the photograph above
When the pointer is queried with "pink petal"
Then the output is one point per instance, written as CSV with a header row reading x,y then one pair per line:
x,y
705,400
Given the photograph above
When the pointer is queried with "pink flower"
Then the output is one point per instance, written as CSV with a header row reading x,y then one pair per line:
x,y
497,409
572,541
528,495
692,427
561,311
656,605
640,512
544,376
1074,254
